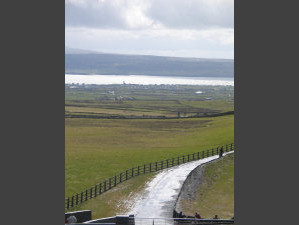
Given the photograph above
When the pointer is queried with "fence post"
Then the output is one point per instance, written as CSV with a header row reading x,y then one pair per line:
x,y
197,155
115,181
72,204
81,197
120,177
167,163
172,161
68,203
86,194
126,174
95,191
150,166
100,191
138,171
193,156
109,183
105,185
183,159
90,192
162,165
144,166
188,157
77,199
208,153
156,166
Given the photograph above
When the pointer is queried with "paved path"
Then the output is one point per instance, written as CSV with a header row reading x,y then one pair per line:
x,y
162,191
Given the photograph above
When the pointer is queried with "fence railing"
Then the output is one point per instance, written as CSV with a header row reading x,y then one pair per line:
x,y
109,183
181,221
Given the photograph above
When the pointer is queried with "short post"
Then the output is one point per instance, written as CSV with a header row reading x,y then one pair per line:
x,y
68,203
109,183
100,191
90,192
126,174
156,166
167,163
77,199
95,190
86,194
72,204
120,177
162,164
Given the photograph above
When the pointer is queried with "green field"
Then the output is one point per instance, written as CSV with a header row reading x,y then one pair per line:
x,y
152,100
216,194
96,149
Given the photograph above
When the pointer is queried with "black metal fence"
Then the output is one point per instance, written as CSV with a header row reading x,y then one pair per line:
x,y
109,183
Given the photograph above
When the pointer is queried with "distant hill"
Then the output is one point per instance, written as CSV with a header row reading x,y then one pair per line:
x,y
91,62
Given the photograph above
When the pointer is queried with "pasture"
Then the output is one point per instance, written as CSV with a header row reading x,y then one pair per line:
x,y
96,149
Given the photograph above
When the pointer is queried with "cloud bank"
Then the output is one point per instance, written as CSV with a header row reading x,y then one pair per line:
x,y
151,25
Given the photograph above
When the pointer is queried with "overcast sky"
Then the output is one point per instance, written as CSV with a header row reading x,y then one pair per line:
x,y
186,28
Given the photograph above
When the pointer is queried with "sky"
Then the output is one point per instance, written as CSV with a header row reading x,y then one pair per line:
x,y
182,28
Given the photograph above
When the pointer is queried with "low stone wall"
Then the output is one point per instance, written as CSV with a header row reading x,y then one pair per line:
x,y
81,216
118,220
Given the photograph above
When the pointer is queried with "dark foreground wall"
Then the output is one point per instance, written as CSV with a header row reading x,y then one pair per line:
x,y
82,216
117,220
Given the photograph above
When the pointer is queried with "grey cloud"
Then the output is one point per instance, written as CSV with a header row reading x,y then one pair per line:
x,y
193,14
189,14
93,14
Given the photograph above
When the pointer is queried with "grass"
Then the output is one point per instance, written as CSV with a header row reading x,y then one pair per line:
x,y
216,194
96,149
148,100
118,200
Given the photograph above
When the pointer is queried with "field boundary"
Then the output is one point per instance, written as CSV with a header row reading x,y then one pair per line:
x,y
147,116
109,183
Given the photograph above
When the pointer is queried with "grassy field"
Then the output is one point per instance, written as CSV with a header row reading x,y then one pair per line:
x,y
96,149
216,194
117,201
152,100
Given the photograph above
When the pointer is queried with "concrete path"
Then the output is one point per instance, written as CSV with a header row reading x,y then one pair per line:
x,y
161,192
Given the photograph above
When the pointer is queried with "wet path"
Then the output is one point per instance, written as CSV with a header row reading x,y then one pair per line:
x,y
162,191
